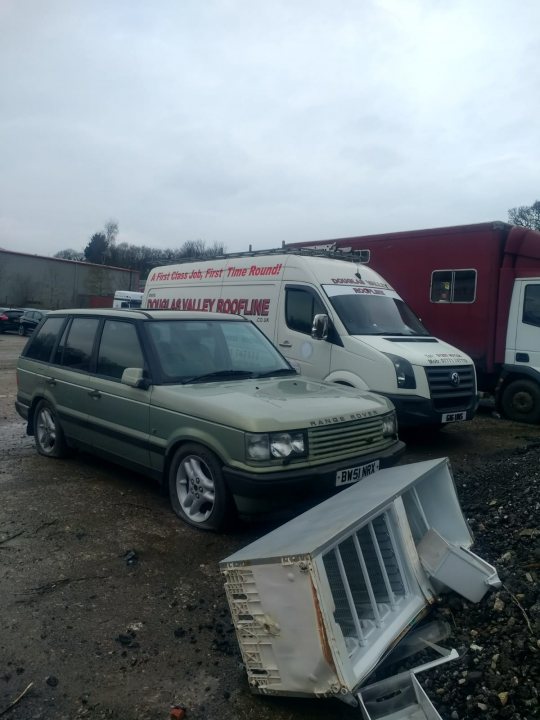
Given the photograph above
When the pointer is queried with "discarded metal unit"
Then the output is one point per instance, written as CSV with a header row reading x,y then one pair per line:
x,y
318,602
401,696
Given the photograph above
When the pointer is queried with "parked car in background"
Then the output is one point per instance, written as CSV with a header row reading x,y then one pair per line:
x,y
9,319
30,319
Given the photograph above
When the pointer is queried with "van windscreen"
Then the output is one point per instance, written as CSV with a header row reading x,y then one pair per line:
x,y
374,312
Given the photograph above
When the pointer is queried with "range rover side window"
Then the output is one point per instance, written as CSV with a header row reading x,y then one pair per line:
x,y
300,308
119,349
77,350
43,341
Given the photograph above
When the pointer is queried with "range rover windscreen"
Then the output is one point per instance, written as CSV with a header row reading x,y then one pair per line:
x,y
199,351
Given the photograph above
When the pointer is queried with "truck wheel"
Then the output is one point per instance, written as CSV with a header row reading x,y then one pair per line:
x,y
197,490
521,401
48,434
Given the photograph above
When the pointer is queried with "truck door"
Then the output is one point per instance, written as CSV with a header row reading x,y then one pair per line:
x,y
298,305
523,340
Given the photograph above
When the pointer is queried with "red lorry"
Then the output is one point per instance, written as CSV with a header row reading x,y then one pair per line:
x,y
477,287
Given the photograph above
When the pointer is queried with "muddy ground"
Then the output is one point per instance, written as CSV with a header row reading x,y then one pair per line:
x,y
110,607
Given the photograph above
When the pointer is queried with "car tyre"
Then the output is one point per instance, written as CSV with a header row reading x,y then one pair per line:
x,y
22,330
520,401
197,490
48,433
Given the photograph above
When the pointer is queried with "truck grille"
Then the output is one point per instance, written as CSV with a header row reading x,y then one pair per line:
x,y
347,439
446,393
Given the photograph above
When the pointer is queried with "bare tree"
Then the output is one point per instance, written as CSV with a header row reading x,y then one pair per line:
x,y
69,254
526,215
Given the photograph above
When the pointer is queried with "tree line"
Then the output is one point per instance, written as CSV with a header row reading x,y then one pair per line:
x,y
103,249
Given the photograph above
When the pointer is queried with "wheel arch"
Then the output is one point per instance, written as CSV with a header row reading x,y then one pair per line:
x,y
32,413
344,377
193,437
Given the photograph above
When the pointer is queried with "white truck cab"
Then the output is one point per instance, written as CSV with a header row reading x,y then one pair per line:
x,y
127,299
336,320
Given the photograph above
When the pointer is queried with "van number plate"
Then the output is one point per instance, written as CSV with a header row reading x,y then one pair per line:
x,y
453,417
352,475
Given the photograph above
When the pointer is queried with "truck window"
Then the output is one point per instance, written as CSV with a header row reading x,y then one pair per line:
x,y
453,286
531,305
301,306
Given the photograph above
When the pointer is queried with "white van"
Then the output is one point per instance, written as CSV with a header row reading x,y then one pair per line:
x,y
337,320
127,299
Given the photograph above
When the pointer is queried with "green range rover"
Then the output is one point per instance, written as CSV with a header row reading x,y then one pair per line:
x,y
202,402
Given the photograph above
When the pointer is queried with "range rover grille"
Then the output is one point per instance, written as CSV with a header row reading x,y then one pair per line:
x,y
343,440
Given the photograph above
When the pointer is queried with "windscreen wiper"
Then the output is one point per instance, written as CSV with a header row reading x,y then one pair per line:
x,y
279,371
218,375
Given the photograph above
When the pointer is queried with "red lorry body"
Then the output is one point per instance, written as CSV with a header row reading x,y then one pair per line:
x,y
498,252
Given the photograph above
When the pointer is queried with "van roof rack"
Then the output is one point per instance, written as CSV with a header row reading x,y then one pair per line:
x,y
326,251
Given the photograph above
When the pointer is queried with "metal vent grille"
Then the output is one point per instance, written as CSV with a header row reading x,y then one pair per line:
x,y
344,440
366,579
448,393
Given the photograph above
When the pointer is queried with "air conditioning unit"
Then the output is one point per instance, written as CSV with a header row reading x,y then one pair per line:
x,y
318,603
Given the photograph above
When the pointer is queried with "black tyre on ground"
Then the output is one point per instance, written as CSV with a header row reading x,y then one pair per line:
x,y
22,330
521,401
197,489
48,434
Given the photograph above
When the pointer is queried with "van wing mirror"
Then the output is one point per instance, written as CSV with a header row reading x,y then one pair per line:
x,y
134,377
319,329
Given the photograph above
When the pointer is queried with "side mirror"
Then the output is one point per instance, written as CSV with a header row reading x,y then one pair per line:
x,y
319,329
134,377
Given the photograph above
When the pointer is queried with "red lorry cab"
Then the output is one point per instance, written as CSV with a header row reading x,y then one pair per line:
x,y
478,288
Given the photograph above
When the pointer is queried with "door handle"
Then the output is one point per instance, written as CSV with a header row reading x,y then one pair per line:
x,y
285,343
51,381
94,394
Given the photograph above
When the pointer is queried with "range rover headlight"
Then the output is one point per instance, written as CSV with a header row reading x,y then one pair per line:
x,y
264,446
404,371
389,427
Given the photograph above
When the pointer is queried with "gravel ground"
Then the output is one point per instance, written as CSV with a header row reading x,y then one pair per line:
x,y
498,675
498,639
111,608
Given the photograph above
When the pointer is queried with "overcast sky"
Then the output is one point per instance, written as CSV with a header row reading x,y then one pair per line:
x,y
243,121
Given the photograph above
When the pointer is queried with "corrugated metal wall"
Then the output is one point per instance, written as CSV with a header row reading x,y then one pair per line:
x,y
50,283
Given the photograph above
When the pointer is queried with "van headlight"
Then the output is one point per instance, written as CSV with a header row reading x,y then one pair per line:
x,y
265,446
389,425
404,371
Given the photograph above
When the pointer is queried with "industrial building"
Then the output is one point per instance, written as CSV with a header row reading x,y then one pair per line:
x,y
45,282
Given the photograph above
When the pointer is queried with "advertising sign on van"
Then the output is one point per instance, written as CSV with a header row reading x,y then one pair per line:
x,y
213,273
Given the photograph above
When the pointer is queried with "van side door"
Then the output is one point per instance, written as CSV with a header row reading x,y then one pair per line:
x,y
298,306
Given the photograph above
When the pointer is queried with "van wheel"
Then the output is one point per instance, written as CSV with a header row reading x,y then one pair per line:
x,y
48,434
197,490
521,401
